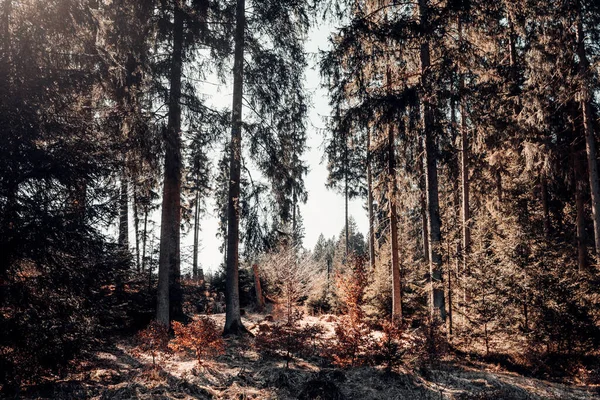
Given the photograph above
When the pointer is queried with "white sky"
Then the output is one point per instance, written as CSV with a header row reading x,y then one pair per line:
x,y
324,210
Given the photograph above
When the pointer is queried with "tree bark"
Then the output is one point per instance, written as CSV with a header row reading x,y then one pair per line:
x,y
392,193
169,275
136,226
582,262
233,319
423,202
437,300
123,212
346,199
144,237
195,273
588,127
370,203
464,172
437,306
294,222
424,223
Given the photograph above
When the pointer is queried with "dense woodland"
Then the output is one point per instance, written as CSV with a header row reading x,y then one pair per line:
x,y
467,127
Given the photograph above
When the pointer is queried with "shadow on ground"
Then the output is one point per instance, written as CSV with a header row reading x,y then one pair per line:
x,y
115,374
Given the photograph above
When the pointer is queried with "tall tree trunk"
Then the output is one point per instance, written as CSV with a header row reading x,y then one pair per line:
x,y
463,251
424,223
123,212
195,273
346,200
294,222
580,207
423,203
464,172
169,275
437,300
136,226
370,203
233,319
144,237
588,127
392,193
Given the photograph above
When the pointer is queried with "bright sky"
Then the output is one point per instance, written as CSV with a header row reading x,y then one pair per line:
x,y
324,211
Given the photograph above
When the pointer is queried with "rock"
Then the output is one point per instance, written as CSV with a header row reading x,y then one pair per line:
x,y
268,318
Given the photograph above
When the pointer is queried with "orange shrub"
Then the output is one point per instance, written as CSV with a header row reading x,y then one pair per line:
x,y
154,339
200,336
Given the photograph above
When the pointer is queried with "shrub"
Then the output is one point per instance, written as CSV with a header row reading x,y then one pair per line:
x,y
434,340
153,339
289,339
389,349
201,336
353,335
56,305
352,343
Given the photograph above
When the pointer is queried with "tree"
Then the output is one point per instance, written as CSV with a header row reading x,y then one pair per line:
x,y
169,301
188,31
270,85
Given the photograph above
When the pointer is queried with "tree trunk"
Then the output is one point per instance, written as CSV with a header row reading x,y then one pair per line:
x,y
396,283
580,207
294,223
588,127
423,204
463,251
144,237
233,319
169,274
346,205
196,227
424,223
123,213
464,172
437,300
370,204
136,226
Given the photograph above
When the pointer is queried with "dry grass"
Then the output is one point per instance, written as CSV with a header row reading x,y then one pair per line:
x,y
119,372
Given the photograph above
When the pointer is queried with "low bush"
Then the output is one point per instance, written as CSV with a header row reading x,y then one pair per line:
x,y
201,336
289,339
155,340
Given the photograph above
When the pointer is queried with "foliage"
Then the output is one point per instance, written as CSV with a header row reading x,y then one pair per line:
x,y
352,334
154,339
288,338
49,316
390,349
352,343
201,336
291,275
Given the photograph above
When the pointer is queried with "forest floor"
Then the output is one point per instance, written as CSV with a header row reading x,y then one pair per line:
x,y
117,371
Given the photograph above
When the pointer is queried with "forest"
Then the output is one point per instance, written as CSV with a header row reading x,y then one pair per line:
x,y
467,128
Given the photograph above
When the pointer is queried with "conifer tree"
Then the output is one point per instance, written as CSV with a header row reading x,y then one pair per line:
x,y
269,86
